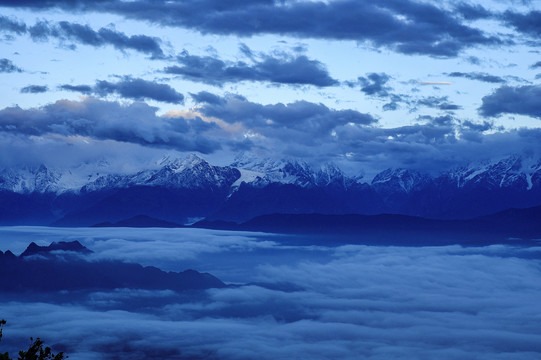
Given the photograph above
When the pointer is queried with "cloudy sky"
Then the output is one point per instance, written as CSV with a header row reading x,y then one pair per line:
x,y
366,84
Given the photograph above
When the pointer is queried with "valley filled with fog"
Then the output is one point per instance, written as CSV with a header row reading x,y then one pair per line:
x,y
287,298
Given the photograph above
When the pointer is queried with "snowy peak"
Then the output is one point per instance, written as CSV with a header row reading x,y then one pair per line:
x,y
191,172
46,180
261,172
179,165
27,180
514,171
330,174
181,189
10,180
400,180
43,179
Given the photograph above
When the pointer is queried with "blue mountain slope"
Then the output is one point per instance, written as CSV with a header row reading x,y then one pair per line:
x,y
63,266
181,191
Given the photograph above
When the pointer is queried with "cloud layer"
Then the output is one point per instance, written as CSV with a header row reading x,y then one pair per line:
x,y
233,123
83,34
130,88
523,100
7,66
281,69
407,27
102,120
316,302
478,76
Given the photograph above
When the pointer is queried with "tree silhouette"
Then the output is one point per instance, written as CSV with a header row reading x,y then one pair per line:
x,y
36,351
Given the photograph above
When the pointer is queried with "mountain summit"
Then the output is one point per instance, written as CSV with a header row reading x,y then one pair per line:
x,y
184,190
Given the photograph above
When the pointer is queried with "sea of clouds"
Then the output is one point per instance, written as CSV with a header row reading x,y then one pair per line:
x,y
290,300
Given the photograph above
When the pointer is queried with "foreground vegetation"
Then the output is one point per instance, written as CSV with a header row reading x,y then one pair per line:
x,y
36,351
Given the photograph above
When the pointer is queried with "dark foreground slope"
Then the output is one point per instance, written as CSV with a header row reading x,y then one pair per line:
x,y
65,266
398,229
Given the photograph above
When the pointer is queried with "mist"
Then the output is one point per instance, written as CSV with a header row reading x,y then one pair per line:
x,y
287,300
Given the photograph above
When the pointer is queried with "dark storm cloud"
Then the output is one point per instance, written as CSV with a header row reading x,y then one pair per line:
x,y
391,106
472,12
10,25
474,60
7,66
34,89
85,89
528,23
522,100
103,120
131,88
300,121
209,98
396,100
84,34
479,76
444,120
485,126
236,108
374,84
139,89
315,132
440,143
437,102
281,69
44,4
405,26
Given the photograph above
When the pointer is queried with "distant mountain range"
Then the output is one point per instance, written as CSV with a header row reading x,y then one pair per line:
x,y
518,226
64,266
182,191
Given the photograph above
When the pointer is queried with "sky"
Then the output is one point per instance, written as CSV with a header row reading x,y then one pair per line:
x,y
324,301
369,85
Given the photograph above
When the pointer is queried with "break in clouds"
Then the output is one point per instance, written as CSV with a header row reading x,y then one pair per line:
x,y
293,301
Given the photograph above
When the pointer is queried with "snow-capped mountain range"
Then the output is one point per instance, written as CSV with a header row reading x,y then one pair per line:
x,y
190,188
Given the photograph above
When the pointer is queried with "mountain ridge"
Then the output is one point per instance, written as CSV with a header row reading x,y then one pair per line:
x,y
515,225
64,266
512,225
180,190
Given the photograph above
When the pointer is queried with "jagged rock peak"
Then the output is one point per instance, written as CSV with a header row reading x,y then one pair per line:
x,y
75,246
267,164
180,164
512,171
400,179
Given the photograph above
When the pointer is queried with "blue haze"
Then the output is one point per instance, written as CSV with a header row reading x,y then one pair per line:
x,y
297,301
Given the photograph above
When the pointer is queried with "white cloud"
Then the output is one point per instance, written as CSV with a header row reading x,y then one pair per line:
x,y
342,302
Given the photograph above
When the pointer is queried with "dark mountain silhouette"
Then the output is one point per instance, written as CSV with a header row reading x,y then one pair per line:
x,y
74,246
143,221
181,190
397,229
385,228
174,205
42,268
